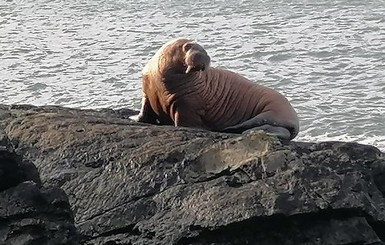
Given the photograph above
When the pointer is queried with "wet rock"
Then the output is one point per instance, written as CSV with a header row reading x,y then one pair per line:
x,y
131,183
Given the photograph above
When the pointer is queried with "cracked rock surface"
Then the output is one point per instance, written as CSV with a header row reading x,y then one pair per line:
x,y
132,183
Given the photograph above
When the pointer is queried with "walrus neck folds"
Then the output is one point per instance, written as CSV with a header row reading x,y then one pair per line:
x,y
170,78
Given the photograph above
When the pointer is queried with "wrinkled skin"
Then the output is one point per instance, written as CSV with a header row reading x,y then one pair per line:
x,y
180,88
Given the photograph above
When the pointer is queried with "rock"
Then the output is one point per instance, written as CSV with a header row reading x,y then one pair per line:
x,y
13,170
30,213
132,183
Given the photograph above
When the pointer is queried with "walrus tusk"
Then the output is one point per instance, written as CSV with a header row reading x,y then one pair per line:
x,y
189,69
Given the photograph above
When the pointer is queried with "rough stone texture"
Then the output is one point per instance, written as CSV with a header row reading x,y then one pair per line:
x,y
13,170
131,183
29,213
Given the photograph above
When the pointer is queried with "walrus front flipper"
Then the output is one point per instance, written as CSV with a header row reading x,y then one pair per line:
x,y
147,114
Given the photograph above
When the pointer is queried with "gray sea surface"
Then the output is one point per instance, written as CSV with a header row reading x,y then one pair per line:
x,y
326,57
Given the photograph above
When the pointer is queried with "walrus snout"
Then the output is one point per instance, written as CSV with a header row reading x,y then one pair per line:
x,y
191,68
196,60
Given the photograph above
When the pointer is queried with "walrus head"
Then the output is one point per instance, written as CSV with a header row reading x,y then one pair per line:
x,y
196,58
178,56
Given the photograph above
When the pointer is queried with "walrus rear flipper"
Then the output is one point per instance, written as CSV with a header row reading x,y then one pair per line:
x,y
280,132
261,123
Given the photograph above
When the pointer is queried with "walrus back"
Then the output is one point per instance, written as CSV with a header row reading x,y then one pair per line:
x,y
229,99
232,99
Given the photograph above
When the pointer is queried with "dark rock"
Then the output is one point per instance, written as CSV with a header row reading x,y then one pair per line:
x,y
30,213
131,183
12,169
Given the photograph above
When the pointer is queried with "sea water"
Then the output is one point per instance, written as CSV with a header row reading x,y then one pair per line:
x,y
326,57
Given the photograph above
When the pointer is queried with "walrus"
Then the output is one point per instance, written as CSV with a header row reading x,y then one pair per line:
x,y
180,88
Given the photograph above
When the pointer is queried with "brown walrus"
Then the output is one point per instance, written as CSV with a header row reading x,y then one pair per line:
x,y
180,88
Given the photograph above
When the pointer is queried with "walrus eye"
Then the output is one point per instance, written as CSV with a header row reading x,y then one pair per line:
x,y
187,47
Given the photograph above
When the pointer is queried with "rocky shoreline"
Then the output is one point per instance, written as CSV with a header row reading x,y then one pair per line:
x,y
70,176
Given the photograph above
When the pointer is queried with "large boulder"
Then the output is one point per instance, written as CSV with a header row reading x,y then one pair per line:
x,y
132,183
